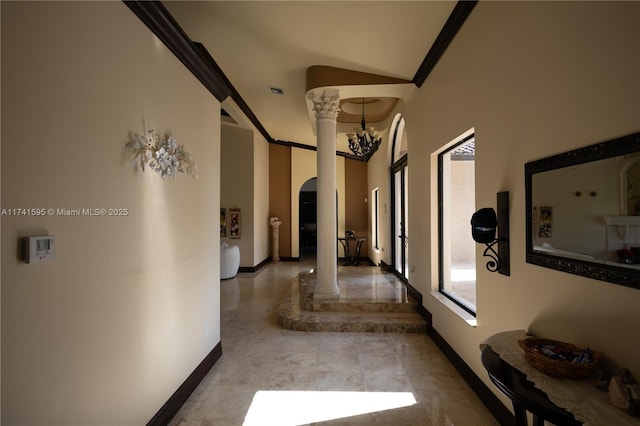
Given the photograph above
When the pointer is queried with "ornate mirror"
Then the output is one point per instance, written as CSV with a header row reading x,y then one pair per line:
x,y
583,211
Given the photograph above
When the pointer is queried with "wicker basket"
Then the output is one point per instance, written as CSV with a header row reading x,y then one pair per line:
x,y
557,367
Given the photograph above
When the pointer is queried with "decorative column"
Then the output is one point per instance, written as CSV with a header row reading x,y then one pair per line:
x,y
325,105
275,238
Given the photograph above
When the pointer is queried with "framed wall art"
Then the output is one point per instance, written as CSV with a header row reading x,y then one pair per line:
x,y
545,227
234,223
223,223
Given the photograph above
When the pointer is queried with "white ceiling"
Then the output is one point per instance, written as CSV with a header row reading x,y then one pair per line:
x,y
263,44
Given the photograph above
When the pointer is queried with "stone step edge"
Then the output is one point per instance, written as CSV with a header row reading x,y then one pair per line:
x,y
353,322
360,306
349,305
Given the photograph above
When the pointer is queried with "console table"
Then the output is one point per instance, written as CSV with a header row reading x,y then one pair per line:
x,y
558,401
351,258
524,396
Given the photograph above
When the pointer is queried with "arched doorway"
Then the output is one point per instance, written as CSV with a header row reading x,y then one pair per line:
x,y
399,198
308,220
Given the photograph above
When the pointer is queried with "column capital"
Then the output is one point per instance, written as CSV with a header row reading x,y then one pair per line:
x,y
326,104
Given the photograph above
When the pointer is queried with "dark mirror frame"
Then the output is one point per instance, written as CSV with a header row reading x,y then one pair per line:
x,y
605,272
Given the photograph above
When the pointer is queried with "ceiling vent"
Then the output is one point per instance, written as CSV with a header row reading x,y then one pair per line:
x,y
276,91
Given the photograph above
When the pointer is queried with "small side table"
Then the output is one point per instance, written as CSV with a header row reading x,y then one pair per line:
x,y
524,396
351,259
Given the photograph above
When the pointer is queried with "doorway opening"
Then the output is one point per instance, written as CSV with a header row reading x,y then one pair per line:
x,y
308,204
400,198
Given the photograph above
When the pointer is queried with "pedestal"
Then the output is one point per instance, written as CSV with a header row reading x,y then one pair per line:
x,y
275,239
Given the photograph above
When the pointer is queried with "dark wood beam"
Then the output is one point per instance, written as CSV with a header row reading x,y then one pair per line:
x,y
459,14
192,54
233,92
158,19
313,148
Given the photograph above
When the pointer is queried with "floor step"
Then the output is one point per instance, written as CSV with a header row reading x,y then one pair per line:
x,y
391,311
355,322
360,306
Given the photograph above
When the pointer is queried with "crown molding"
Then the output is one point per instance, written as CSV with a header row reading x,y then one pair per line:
x,y
192,54
158,19
298,145
459,14
233,92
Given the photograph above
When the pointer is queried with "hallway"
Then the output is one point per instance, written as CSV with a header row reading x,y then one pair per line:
x,y
271,376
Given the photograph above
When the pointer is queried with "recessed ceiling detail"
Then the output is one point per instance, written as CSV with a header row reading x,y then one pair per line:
x,y
375,109
323,76
380,93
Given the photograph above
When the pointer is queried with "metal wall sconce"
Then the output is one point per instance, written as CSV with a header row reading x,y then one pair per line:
x,y
483,230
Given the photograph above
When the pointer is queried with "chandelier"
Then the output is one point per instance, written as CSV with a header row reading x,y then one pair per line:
x,y
365,142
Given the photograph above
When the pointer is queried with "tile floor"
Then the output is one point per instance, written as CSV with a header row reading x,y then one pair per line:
x,y
271,376
368,301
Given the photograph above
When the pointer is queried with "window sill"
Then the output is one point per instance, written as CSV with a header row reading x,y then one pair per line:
x,y
464,315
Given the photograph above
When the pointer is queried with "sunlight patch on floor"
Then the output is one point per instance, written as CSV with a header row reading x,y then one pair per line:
x,y
284,408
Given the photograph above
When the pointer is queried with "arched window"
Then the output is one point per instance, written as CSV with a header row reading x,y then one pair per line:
x,y
398,139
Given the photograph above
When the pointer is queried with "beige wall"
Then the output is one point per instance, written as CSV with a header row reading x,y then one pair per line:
x,y
262,229
236,185
106,332
280,193
534,79
244,180
357,208
378,176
